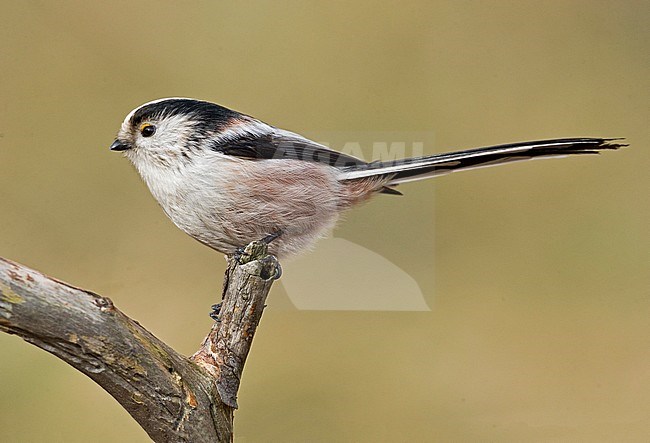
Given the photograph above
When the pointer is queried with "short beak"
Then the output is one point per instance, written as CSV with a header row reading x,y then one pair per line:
x,y
119,146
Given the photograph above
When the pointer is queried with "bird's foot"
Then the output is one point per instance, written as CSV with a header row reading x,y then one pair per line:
x,y
254,250
277,269
216,310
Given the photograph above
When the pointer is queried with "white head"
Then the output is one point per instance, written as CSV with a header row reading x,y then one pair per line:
x,y
171,132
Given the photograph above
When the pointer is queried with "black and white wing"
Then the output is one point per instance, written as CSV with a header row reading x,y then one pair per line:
x,y
274,143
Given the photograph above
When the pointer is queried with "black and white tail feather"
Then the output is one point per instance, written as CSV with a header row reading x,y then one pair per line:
x,y
418,168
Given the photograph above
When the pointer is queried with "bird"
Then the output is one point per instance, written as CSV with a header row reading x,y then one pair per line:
x,y
227,179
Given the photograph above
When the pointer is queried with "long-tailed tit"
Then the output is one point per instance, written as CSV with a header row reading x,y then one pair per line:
x,y
227,179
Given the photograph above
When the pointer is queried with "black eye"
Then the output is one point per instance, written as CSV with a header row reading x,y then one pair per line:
x,y
147,130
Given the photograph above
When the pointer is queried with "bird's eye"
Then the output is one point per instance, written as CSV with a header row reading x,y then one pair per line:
x,y
147,130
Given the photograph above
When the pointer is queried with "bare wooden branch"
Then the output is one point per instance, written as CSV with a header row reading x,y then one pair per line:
x,y
226,347
172,397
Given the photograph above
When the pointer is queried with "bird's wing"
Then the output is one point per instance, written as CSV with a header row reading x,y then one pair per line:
x,y
280,144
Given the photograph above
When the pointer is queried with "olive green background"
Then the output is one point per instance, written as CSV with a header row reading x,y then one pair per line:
x,y
537,274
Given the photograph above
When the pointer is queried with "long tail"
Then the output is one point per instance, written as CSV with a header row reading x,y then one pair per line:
x,y
418,168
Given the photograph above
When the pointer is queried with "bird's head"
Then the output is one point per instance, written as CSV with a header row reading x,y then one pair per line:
x,y
171,131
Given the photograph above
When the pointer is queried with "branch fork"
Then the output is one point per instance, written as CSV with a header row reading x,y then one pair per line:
x,y
172,397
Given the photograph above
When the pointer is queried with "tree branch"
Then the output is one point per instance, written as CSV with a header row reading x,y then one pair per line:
x,y
172,397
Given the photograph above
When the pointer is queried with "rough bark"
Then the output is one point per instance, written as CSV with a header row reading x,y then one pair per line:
x,y
172,397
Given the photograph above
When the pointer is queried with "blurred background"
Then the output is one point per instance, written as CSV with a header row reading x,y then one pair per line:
x,y
536,274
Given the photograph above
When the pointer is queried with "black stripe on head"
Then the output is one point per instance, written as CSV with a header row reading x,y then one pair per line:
x,y
208,116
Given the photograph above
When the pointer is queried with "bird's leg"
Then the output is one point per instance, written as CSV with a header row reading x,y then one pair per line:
x,y
269,238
